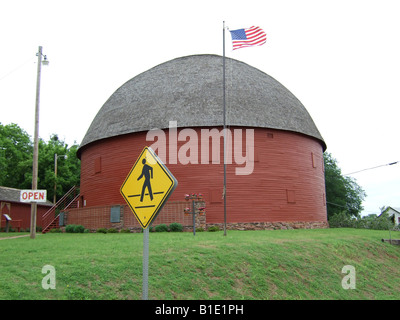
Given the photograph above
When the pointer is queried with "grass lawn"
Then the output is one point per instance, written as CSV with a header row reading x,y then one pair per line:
x,y
280,264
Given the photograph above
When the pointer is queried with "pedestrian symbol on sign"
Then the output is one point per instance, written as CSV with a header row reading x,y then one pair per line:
x,y
147,172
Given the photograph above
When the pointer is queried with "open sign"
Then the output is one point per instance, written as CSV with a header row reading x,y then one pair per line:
x,y
33,196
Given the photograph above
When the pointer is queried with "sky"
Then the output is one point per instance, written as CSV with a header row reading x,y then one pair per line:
x,y
340,58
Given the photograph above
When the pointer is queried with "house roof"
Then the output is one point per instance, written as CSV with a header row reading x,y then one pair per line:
x,y
394,209
189,90
12,195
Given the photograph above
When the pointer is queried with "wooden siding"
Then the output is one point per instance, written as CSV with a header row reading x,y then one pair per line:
x,y
287,183
22,211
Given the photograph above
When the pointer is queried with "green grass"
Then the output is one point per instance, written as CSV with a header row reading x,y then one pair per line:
x,y
281,264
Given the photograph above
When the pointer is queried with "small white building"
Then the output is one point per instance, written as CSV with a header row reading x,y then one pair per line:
x,y
393,212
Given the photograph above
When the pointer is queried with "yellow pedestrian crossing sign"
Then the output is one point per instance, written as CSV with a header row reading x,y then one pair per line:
x,y
148,186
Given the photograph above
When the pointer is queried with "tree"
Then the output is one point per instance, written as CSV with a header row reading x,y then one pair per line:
x,y
342,193
68,168
16,153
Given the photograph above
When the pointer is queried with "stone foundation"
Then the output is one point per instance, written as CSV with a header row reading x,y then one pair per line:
x,y
120,217
272,225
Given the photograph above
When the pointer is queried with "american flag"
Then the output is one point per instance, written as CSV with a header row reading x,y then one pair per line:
x,y
249,37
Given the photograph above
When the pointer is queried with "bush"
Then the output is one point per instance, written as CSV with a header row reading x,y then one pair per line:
x,y
101,230
79,229
175,227
161,228
342,220
74,228
125,231
213,229
69,228
112,230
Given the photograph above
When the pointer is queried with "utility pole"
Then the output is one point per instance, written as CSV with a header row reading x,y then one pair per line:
x,y
36,144
224,104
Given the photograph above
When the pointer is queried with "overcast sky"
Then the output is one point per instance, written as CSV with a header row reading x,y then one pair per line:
x,y
340,58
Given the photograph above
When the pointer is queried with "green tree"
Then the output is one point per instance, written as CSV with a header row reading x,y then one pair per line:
x,y
15,157
16,152
68,167
342,193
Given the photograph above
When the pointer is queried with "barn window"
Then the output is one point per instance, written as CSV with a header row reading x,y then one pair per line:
x,y
270,135
216,196
291,196
97,165
313,160
115,214
256,153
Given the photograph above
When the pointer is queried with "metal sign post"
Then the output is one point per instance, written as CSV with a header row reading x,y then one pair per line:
x,y
194,218
145,288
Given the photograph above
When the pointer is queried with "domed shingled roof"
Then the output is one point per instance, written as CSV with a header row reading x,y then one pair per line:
x,y
189,90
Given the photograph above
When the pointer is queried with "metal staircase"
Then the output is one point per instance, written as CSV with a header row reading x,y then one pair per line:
x,y
50,219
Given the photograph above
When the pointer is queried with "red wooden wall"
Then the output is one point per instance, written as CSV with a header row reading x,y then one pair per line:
x,y
287,183
22,211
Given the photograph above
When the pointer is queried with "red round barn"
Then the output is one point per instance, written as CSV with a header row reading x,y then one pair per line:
x,y
275,170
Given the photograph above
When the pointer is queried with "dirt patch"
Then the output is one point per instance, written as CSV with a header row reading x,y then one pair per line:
x,y
26,235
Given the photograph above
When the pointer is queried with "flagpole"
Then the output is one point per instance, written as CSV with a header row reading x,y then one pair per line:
x,y
224,102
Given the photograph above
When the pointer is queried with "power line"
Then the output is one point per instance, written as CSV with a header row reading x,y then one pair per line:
x,y
335,204
382,165
16,69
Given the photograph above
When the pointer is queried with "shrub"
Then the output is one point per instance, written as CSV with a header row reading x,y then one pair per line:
x,y
125,230
161,228
213,229
70,228
79,229
342,220
112,230
175,227
199,229
101,230
74,228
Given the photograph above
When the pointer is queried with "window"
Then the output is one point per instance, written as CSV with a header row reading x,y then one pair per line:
x,y
313,160
291,196
97,165
216,196
115,214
